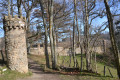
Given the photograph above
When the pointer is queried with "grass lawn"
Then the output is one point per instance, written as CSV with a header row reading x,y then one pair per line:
x,y
13,75
82,75
100,66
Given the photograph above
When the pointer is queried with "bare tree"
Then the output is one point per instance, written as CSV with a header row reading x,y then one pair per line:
x,y
19,2
28,6
112,37
50,7
74,26
9,7
86,33
46,34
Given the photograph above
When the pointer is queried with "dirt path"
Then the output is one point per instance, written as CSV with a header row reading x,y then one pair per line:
x,y
38,74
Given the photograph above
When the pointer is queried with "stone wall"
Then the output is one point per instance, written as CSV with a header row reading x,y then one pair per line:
x,y
60,51
40,51
15,43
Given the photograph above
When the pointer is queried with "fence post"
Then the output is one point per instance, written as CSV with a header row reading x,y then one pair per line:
x,y
104,71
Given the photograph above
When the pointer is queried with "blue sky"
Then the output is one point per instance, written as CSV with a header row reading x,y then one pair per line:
x,y
96,22
1,32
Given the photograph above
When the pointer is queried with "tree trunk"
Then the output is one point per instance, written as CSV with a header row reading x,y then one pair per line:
x,y
79,45
19,7
8,7
86,30
3,60
46,34
95,63
12,7
28,20
104,70
51,32
104,46
74,34
28,29
70,49
112,37
77,25
81,58
54,43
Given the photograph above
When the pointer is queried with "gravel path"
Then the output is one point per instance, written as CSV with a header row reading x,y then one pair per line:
x,y
38,74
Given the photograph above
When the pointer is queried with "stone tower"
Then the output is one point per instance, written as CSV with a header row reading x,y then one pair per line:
x,y
15,43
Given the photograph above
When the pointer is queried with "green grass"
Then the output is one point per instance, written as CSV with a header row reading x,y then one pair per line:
x,y
100,68
13,75
100,65
83,75
75,77
40,59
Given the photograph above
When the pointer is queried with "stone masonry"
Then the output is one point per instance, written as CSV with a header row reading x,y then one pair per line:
x,y
15,43
61,51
